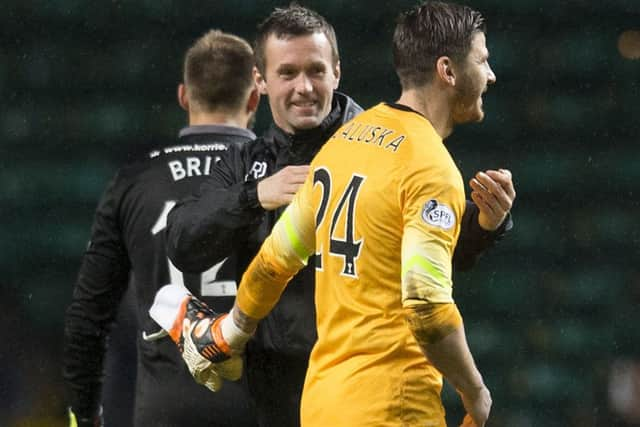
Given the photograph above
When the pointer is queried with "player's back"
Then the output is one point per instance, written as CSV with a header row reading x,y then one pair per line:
x,y
141,197
366,365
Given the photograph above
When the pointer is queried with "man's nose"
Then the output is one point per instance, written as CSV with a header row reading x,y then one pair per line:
x,y
303,84
491,79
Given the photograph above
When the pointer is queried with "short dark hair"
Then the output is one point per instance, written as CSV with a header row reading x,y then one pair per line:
x,y
218,71
428,31
292,21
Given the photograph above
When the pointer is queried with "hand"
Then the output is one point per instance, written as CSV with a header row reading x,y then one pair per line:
x,y
477,404
493,193
279,189
208,356
210,343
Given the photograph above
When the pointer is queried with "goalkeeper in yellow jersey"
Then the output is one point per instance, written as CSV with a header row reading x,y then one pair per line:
x,y
381,211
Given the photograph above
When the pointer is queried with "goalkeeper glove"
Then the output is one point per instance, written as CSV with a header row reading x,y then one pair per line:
x,y
198,332
76,421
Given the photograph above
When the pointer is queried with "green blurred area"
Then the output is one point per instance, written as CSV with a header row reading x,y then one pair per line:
x,y
87,86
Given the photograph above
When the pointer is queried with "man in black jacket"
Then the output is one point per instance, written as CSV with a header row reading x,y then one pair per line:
x,y
128,246
235,208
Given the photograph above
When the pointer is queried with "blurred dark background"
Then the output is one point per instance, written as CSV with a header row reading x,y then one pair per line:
x,y
552,313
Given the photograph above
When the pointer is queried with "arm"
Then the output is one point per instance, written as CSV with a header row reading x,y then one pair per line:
x,y
202,229
427,287
475,240
436,323
281,256
101,282
486,219
439,331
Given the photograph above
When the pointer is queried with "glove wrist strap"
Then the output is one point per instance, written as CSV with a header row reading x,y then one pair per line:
x,y
233,335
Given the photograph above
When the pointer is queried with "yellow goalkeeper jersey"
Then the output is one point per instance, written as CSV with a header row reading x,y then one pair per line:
x,y
381,210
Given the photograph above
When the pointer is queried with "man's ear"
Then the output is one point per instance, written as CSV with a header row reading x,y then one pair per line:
x,y
445,72
253,101
260,81
183,99
337,74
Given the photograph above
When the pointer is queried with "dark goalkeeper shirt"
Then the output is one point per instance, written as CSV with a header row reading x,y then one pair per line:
x,y
128,246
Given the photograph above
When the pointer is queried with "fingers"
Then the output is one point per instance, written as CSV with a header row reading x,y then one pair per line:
x,y
500,174
482,204
495,188
294,174
493,193
210,379
299,170
279,189
229,369
490,190
214,375
504,178
482,196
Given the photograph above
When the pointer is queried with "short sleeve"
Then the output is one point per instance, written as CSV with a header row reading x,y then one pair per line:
x,y
432,202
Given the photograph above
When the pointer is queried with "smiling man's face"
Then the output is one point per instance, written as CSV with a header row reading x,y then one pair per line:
x,y
299,79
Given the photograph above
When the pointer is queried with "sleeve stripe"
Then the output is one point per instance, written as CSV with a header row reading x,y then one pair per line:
x,y
294,239
427,266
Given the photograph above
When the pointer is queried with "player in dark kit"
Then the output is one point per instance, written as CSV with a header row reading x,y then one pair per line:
x,y
128,246
229,217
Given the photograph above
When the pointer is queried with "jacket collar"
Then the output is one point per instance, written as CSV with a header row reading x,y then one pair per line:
x,y
305,144
216,130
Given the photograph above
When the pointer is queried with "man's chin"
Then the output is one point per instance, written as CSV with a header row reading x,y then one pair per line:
x,y
469,117
476,114
306,123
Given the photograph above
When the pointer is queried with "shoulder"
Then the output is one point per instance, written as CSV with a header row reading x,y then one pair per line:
x,y
131,171
260,147
347,103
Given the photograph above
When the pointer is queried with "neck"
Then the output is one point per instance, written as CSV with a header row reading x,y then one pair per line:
x,y
216,118
431,103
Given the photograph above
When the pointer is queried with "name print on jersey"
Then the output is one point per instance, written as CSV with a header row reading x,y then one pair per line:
x,y
385,138
191,166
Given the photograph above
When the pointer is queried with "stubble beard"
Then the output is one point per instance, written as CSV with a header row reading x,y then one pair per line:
x,y
467,108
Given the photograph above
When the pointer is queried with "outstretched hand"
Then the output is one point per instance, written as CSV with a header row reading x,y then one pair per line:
x,y
493,192
211,351
204,349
